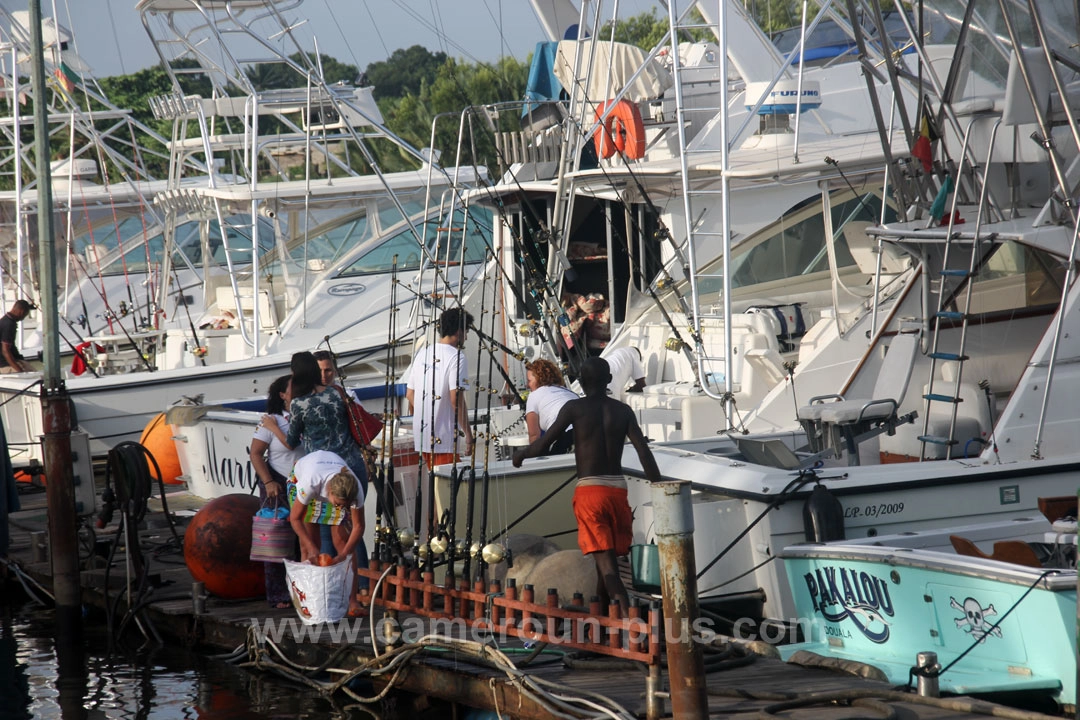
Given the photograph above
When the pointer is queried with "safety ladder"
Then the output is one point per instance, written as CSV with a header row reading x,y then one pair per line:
x,y
696,197
236,244
952,279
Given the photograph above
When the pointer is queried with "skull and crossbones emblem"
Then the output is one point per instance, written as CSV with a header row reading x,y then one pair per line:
x,y
974,620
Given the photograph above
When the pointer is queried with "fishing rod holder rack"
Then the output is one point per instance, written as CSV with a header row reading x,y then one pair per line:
x,y
513,612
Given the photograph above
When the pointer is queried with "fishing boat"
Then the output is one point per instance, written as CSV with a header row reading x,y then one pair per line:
x,y
957,391
289,259
792,166
103,189
996,624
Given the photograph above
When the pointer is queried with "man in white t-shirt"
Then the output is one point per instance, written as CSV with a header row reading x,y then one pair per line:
x,y
625,364
437,384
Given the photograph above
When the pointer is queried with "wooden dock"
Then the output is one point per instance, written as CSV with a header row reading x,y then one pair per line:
x,y
460,673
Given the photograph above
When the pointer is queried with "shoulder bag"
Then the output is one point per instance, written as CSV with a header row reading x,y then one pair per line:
x,y
363,425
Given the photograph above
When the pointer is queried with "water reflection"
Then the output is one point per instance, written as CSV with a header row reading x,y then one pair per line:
x,y
41,677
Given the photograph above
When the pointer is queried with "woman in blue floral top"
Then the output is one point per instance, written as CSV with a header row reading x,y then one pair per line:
x,y
319,418
320,421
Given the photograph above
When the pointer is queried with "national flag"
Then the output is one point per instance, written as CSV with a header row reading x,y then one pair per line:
x,y
937,209
64,81
923,149
67,77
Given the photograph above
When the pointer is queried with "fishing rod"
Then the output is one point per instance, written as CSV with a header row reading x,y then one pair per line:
x,y
187,312
74,348
470,503
429,462
456,475
662,233
111,315
386,469
498,366
481,564
539,287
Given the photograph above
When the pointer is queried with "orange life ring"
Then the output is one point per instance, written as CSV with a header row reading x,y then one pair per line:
x,y
623,131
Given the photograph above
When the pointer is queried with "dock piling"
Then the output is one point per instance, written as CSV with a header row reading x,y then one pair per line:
x,y
674,521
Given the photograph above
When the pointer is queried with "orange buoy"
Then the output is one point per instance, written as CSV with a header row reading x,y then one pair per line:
x,y
623,130
157,437
217,548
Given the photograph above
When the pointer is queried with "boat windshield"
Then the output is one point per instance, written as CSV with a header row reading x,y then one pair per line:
x,y
986,49
794,246
476,231
138,254
333,236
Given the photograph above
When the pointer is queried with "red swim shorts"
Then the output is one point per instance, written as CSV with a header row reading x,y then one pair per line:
x,y
433,459
604,520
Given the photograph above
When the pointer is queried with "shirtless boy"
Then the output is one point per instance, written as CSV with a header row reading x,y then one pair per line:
x,y
601,427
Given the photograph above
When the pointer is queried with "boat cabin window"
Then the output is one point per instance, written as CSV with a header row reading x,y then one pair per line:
x,y
335,234
238,228
188,249
794,246
1012,278
476,232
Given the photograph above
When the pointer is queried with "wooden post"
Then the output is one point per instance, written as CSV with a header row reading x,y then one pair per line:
x,y
526,615
511,594
55,402
552,603
496,611
674,522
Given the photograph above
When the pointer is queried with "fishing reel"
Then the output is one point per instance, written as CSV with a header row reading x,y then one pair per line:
x,y
495,553
674,344
438,545
490,554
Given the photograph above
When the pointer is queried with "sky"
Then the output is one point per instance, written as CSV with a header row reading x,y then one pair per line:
x,y
110,37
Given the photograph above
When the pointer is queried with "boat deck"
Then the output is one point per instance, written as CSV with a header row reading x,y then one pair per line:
x,y
744,685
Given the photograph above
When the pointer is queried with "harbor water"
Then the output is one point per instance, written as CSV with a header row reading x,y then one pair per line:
x,y
40,678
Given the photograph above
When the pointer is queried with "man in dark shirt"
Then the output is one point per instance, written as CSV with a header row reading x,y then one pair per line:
x,y
11,360
601,427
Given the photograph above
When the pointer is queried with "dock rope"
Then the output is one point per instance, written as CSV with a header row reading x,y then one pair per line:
x,y
559,701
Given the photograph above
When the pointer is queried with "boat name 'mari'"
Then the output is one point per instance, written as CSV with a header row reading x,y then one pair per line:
x,y
227,471
859,597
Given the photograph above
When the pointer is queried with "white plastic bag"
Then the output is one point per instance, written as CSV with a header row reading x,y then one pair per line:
x,y
319,594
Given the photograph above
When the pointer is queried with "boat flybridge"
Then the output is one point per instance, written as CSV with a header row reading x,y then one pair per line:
x,y
296,231
943,388
625,247
103,184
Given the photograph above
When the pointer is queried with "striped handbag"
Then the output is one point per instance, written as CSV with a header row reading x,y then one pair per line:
x,y
272,537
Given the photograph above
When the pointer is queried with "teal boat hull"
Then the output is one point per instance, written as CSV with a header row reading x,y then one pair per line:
x,y
882,606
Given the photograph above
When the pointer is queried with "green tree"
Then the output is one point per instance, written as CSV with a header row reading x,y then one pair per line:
x,y
457,85
273,76
404,71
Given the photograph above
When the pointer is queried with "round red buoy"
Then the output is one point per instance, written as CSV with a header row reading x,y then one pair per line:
x,y
217,548
157,437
